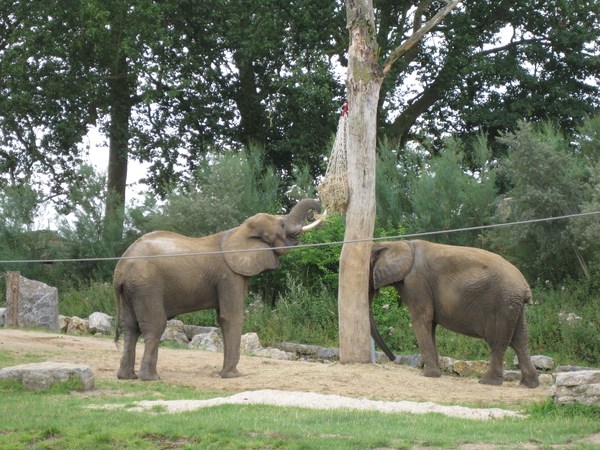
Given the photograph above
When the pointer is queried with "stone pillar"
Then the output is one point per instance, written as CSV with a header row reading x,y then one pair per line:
x,y
30,303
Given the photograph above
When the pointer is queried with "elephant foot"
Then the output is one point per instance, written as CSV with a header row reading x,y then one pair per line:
x,y
492,380
230,373
126,375
433,372
531,383
147,376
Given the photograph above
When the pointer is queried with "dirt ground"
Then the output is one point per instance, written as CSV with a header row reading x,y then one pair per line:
x,y
199,369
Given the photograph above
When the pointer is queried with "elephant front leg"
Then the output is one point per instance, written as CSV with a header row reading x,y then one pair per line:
x,y
232,335
426,340
230,315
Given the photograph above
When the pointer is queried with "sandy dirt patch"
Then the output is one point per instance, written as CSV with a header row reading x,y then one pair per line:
x,y
313,400
199,369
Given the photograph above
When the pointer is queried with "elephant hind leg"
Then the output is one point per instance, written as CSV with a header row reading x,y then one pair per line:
x,y
495,373
520,344
152,322
131,333
152,335
498,337
126,370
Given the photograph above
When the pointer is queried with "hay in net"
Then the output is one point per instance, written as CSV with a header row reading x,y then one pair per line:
x,y
333,190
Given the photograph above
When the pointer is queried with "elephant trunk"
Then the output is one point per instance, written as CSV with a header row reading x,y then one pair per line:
x,y
375,332
296,217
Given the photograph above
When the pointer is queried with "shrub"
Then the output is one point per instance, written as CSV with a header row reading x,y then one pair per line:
x,y
301,316
565,323
84,300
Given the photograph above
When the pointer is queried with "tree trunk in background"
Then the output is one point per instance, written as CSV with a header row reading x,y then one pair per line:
x,y
363,85
120,113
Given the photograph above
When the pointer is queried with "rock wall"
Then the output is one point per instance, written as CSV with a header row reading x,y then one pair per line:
x,y
581,386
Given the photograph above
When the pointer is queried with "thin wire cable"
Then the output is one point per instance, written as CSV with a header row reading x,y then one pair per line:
x,y
319,244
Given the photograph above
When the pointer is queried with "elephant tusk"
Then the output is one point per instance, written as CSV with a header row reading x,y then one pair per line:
x,y
316,223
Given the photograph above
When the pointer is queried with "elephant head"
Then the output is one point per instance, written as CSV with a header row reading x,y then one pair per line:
x,y
263,232
390,263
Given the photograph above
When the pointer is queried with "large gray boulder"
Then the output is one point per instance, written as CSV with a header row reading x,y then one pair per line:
x,y
250,343
193,330
41,376
539,362
100,323
78,326
210,342
409,360
37,305
275,353
175,332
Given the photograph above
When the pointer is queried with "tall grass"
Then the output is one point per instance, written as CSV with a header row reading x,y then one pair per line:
x,y
86,299
300,315
565,322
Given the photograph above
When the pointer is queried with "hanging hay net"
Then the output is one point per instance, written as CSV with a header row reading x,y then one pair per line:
x,y
333,190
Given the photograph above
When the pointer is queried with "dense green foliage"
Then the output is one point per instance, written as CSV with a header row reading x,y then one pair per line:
x,y
170,82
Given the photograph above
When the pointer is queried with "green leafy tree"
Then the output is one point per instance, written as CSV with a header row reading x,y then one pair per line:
x,y
226,190
548,179
397,172
165,83
587,229
441,191
489,65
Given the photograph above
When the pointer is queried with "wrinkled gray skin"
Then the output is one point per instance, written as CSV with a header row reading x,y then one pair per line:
x,y
463,289
150,291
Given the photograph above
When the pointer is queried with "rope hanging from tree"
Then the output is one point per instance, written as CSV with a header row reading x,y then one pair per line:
x,y
333,190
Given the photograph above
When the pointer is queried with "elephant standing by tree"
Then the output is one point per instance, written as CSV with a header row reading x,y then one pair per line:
x,y
151,286
465,290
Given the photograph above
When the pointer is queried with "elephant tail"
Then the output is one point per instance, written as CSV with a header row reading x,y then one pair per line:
x,y
375,332
118,300
527,297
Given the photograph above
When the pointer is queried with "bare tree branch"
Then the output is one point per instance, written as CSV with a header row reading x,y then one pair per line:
x,y
418,35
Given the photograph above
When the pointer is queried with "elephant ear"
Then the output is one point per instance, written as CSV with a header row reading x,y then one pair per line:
x,y
391,262
247,263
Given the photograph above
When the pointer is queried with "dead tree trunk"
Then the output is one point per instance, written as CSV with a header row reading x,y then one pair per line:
x,y
363,86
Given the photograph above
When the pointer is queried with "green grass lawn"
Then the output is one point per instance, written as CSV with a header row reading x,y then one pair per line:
x,y
58,419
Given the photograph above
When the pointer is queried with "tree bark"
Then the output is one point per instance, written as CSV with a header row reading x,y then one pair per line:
x,y
363,86
120,113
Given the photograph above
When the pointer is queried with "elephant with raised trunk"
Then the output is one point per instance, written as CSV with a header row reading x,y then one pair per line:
x,y
212,272
463,289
